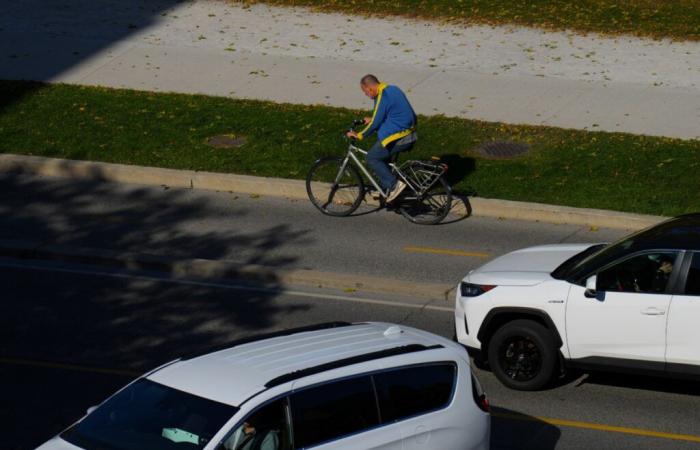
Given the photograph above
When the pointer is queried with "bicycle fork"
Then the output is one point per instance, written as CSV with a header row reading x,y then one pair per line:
x,y
336,182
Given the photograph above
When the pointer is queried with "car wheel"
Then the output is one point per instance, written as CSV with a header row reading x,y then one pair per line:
x,y
522,354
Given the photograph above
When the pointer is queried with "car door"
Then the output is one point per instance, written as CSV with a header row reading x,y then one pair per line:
x,y
416,399
626,318
683,351
267,427
340,415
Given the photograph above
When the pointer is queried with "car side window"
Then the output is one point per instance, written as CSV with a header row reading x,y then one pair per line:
x,y
333,410
415,390
264,429
646,273
692,282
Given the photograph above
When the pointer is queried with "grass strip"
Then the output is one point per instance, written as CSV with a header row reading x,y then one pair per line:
x,y
566,167
676,19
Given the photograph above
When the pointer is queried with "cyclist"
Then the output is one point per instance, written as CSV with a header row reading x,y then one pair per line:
x,y
395,122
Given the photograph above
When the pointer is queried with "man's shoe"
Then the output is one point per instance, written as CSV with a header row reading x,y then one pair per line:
x,y
398,189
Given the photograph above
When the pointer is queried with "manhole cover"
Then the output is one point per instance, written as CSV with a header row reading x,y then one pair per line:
x,y
503,149
226,141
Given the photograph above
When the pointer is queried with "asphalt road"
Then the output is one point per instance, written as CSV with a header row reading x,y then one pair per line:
x,y
269,231
71,335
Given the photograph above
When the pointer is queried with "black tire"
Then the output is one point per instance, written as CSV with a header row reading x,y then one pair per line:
x,y
341,199
523,355
429,209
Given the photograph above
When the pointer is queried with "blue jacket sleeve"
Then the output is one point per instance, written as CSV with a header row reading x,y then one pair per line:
x,y
378,117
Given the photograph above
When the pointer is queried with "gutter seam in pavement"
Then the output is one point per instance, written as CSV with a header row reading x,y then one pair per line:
x,y
296,189
208,269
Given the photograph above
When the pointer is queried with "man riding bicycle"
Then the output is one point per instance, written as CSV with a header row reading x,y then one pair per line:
x,y
395,122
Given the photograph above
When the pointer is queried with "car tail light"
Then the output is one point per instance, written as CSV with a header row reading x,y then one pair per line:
x,y
473,290
482,402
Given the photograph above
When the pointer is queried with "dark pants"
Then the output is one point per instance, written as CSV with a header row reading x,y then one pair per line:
x,y
377,158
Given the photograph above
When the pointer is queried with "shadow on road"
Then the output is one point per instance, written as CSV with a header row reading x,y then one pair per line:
x,y
636,381
128,323
513,430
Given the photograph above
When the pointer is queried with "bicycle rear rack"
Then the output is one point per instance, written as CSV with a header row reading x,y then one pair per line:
x,y
422,174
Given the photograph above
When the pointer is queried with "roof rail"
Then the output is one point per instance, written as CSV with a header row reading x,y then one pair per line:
x,y
274,334
412,348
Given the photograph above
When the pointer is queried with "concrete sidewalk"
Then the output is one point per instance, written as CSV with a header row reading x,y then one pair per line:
x,y
293,55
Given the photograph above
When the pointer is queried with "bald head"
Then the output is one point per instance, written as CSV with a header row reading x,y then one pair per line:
x,y
369,80
370,85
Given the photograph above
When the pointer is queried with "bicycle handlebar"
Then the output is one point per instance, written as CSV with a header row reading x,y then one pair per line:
x,y
354,124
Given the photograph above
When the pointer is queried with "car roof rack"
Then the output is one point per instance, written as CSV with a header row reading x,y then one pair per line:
x,y
404,349
274,334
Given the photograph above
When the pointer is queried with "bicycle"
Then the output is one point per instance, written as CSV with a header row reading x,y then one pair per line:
x,y
336,187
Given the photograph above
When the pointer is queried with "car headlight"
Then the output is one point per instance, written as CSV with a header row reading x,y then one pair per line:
x,y
473,290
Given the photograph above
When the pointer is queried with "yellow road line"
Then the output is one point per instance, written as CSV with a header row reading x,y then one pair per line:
x,y
74,367
443,251
600,427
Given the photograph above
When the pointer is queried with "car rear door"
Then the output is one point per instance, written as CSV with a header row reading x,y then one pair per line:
x,y
413,397
340,415
626,320
683,349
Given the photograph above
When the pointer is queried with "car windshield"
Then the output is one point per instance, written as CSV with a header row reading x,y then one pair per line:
x,y
591,259
148,415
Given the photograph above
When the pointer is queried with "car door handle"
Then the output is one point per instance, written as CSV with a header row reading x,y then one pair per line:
x,y
653,312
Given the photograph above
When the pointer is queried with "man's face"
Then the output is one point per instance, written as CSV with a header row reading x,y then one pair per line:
x,y
370,91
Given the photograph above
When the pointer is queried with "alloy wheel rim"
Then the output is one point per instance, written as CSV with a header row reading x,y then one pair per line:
x,y
520,358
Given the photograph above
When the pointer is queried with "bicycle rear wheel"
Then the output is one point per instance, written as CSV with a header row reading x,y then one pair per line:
x,y
430,208
332,192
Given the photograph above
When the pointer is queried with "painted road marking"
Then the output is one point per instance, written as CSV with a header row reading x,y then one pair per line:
x,y
444,251
292,293
601,427
550,421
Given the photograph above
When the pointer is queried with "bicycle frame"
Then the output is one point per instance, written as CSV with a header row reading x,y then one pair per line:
x,y
351,155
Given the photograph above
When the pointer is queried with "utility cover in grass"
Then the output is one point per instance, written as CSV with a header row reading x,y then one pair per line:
x,y
502,149
226,141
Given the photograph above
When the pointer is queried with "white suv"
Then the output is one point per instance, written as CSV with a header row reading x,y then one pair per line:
x,y
629,306
328,386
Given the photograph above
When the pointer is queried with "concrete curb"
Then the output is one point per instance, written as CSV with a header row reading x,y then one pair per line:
x,y
266,276
296,189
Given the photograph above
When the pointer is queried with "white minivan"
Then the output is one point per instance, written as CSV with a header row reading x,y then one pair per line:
x,y
329,386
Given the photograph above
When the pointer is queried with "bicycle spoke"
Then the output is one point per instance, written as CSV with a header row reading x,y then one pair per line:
x,y
340,198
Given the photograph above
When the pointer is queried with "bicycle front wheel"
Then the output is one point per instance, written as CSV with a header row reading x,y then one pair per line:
x,y
333,191
430,208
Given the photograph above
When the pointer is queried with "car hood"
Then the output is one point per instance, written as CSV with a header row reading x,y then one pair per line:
x,y
525,267
58,444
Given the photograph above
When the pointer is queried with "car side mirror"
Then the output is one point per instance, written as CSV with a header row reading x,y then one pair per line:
x,y
591,286
91,409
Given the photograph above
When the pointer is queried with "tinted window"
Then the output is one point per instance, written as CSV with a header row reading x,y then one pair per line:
x,y
680,232
407,392
692,284
646,273
148,415
264,429
333,410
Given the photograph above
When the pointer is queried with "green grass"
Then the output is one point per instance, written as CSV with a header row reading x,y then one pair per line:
x,y
678,19
567,167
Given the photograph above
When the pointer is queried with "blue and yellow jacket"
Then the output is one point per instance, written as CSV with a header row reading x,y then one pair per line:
x,y
393,117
